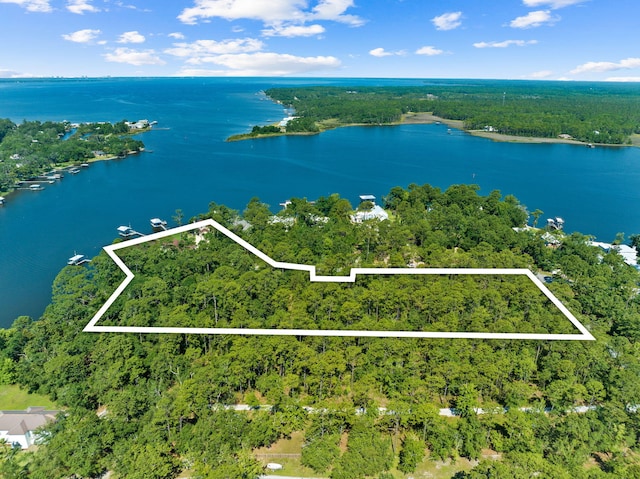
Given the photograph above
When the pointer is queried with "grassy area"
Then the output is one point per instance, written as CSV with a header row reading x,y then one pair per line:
x,y
286,452
441,469
14,398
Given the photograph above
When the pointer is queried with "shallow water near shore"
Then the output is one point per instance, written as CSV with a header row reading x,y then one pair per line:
x,y
189,164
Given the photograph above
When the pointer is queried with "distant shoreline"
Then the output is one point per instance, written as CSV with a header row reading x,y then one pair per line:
x,y
66,168
426,118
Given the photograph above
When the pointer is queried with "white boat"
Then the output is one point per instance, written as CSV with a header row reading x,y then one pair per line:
x,y
1,200
36,187
74,171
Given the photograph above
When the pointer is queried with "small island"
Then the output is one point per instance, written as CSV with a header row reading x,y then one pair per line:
x,y
518,111
35,152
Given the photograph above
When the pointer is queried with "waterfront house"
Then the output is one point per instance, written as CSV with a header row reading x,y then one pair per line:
x,y
285,121
19,427
551,240
628,253
138,125
376,212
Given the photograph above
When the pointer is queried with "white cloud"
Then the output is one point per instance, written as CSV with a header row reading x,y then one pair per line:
x,y
131,37
81,6
379,52
269,12
32,5
505,43
294,31
541,74
264,64
82,36
429,51
623,79
334,10
447,21
131,7
534,19
274,12
177,35
554,4
597,67
134,57
202,51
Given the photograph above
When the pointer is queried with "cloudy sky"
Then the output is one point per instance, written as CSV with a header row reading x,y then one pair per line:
x,y
514,39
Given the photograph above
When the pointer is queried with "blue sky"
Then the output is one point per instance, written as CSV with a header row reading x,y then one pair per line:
x,y
512,39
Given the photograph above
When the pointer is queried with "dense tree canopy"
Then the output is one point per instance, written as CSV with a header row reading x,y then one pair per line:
x,y
31,148
595,113
146,405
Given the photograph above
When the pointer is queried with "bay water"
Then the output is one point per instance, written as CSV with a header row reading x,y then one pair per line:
x,y
188,164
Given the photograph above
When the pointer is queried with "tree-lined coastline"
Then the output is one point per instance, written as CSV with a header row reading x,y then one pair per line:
x,y
32,148
595,113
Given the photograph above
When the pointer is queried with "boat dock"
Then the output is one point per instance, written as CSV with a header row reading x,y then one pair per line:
x,y
49,177
158,224
77,260
128,232
31,185
53,175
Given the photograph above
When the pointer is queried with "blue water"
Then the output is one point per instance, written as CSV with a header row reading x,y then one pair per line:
x,y
595,190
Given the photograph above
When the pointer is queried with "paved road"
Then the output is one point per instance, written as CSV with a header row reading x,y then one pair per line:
x,y
449,412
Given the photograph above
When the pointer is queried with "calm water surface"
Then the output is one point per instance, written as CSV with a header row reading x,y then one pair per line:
x,y
595,190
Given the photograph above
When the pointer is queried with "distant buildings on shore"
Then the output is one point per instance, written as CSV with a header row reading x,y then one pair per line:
x,y
138,125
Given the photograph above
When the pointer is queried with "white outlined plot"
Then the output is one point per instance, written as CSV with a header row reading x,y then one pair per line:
x,y
92,326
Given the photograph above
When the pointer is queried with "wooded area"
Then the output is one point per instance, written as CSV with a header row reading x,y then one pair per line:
x,y
32,148
603,113
151,406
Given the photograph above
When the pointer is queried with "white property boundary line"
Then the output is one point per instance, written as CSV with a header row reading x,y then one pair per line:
x,y
584,335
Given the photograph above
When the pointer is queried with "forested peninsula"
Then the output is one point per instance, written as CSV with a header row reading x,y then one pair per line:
x,y
32,148
159,406
590,113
